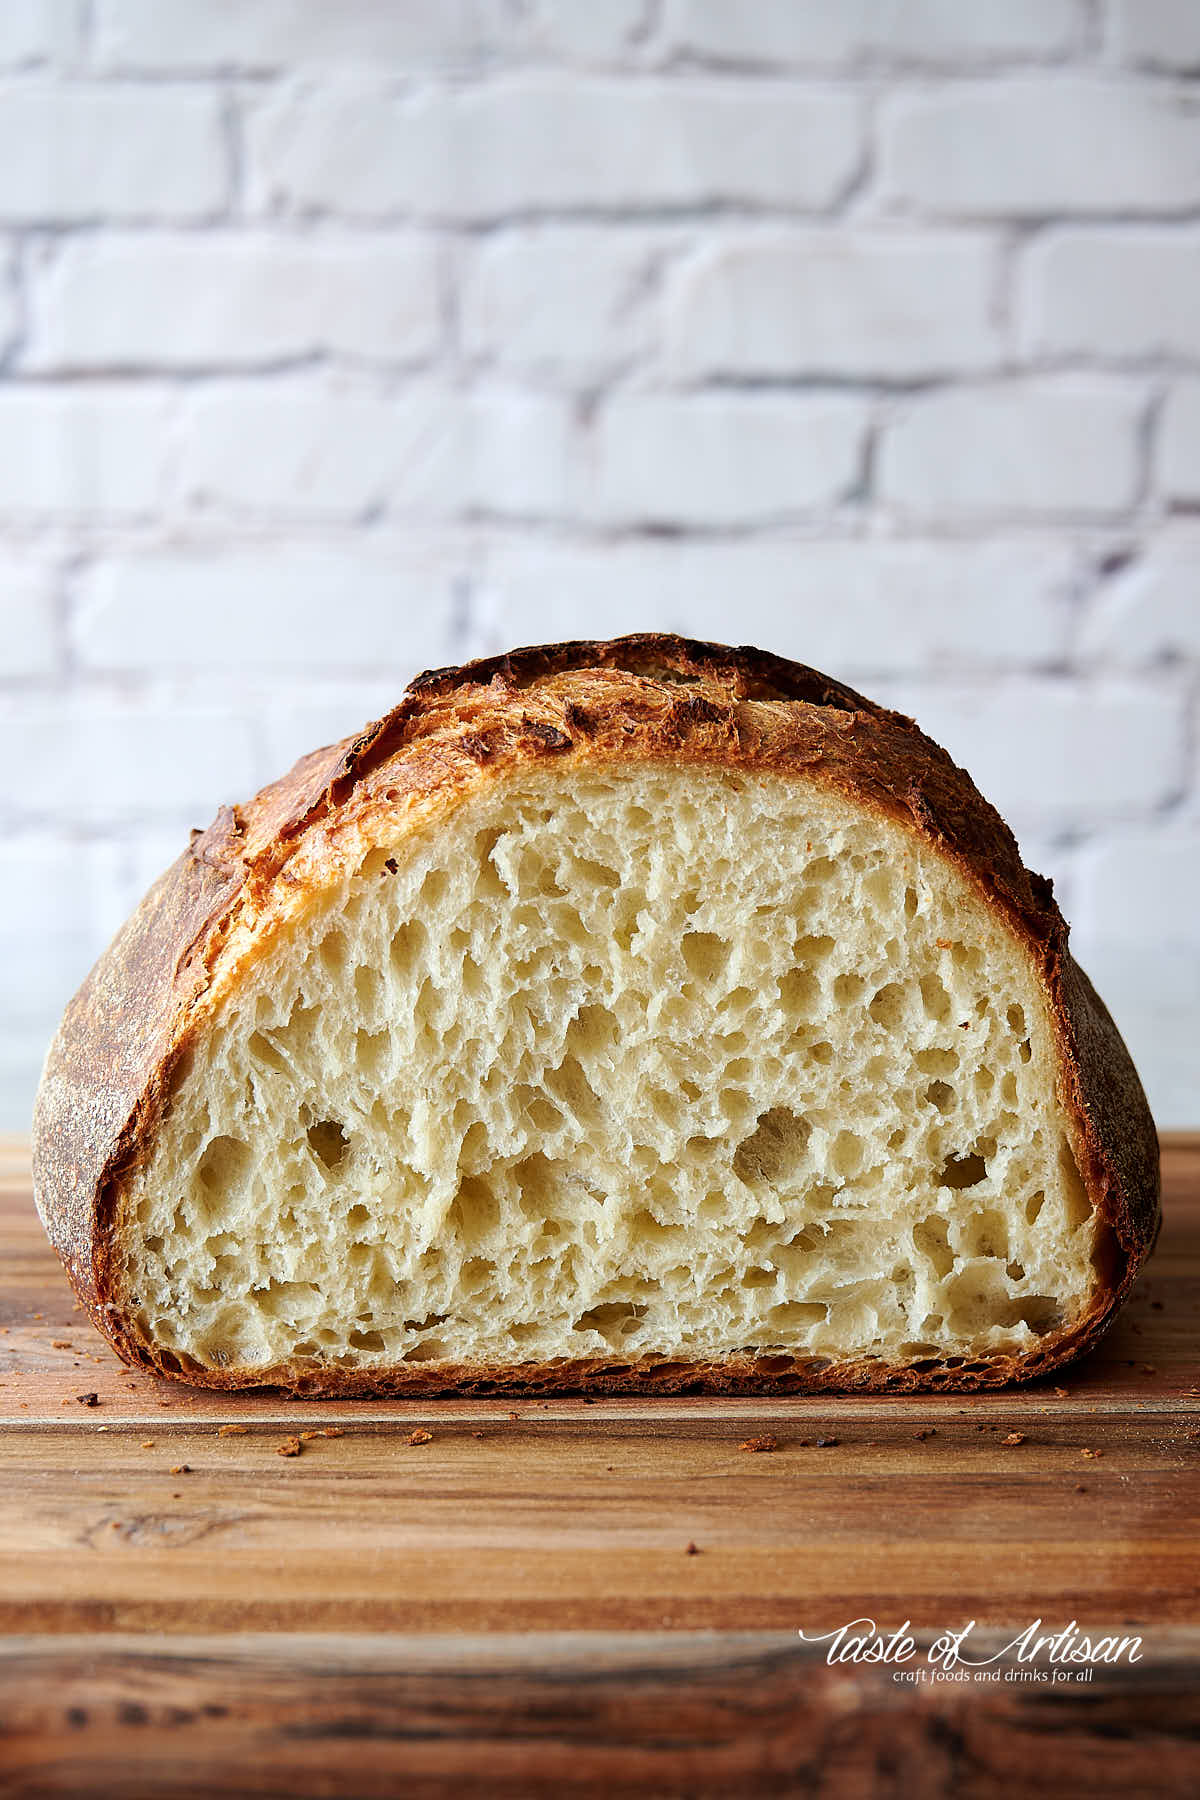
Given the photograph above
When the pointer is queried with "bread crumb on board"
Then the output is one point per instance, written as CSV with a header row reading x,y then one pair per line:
x,y
420,1436
181,1469
290,1447
1014,1437
760,1445
233,1430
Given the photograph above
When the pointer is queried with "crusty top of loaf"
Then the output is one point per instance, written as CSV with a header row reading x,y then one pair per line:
x,y
109,1071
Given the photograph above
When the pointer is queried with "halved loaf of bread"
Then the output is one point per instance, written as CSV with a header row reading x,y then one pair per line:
x,y
633,1016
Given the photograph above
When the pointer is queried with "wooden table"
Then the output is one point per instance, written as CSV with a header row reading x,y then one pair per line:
x,y
563,1597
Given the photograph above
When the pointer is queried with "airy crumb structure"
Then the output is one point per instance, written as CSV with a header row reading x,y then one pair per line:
x,y
632,1061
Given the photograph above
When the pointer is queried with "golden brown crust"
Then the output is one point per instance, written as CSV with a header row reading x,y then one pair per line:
x,y
125,1035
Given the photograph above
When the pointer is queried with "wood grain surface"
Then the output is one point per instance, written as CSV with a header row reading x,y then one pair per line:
x,y
641,1554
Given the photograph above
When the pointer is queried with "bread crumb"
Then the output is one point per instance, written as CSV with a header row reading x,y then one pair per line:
x,y
827,1443
1061,1393
1094,1454
148,1444
1079,1488
1014,1437
61,1344
420,1436
290,1447
233,1431
92,1399
477,1434
760,1445
1149,1369
945,943
181,1469
691,1549
1156,1305
926,1431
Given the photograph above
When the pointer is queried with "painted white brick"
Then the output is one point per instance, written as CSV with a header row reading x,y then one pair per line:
x,y
41,895
339,449
81,451
1163,34
837,302
220,300
108,762
601,29
28,637
292,607
1150,610
936,31
1140,888
74,153
559,301
1051,755
1035,147
724,459
1102,292
1179,443
1038,448
275,34
546,141
48,941
32,30
51,932
854,609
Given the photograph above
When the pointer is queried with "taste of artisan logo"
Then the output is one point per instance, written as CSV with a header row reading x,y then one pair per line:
x,y
1070,1653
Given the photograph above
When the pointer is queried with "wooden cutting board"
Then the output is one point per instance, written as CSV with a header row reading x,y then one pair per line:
x,y
557,1596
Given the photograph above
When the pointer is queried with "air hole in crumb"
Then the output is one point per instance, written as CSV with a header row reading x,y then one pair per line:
x,y
931,1239
224,1164
612,1319
962,1171
775,1149
888,1006
1078,1207
328,1143
705,954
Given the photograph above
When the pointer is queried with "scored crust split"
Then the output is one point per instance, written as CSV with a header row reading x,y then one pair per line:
x,y
641,1016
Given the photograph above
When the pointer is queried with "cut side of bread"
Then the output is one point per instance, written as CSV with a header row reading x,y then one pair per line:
x,y
641,1016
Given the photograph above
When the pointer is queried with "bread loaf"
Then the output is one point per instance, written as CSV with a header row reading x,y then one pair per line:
x,y
632,1016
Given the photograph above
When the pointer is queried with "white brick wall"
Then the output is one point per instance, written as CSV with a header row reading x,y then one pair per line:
x,y
341,340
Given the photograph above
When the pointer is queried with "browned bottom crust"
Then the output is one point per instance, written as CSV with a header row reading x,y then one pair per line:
x,y
739,1374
